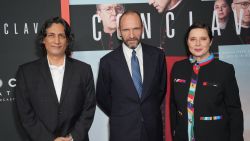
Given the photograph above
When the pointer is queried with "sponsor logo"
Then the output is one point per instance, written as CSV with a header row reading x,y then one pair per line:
x,y
6,90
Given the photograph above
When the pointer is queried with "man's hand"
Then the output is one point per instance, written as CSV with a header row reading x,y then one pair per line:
x,y
63,139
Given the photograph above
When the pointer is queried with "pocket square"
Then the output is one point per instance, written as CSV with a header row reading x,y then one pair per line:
x,y
179,80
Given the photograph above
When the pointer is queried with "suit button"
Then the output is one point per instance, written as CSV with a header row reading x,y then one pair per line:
x,y
60,112
142,119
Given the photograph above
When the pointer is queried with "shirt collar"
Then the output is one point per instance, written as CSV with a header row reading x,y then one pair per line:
x,y
53,67
127,49
173,7
203,62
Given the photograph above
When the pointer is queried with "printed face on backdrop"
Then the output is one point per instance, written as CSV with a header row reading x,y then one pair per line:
x,y
131,29
108,14
160,5
244,6
198,42
222,9
55,40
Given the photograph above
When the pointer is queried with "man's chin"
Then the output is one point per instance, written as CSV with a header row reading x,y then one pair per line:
x,y
132,45
160,10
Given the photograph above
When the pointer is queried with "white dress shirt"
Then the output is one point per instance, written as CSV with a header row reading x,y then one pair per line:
x,y
128,54
57,73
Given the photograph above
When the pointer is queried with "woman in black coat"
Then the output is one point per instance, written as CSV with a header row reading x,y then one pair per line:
x,y
205,103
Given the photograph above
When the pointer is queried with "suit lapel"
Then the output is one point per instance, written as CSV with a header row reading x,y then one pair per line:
x,y
125,72
66,78
48,78
148,68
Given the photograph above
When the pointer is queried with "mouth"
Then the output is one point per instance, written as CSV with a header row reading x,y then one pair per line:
x,y
113,18
132,41
56,46
197,50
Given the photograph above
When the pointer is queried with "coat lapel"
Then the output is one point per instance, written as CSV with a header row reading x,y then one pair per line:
x,y
125,72
149,65
148,68
48,78
66,78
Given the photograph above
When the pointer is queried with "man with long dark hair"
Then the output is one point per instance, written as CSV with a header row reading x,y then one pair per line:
x,y
55,94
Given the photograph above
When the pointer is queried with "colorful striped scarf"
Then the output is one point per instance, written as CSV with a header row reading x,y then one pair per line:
x,y
191,93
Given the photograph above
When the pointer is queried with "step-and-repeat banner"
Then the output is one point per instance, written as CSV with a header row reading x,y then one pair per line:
x,y
20,22
95,23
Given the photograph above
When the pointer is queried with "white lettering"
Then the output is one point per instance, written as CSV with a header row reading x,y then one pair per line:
x,y
8,93
35,27
97,35
147,25
15,29
238,21
26,30
215,23
12,82
169,16
6,31
190,18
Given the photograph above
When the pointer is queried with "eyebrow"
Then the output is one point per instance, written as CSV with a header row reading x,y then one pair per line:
x,y
55,33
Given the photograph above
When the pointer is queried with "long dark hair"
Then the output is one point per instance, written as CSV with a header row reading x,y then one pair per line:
x,y
43,33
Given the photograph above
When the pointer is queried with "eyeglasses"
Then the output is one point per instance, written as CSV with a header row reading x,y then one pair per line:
x,y
109,9
244,5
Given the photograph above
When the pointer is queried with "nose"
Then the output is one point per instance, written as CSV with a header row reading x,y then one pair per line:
x,y
131,34
113,12
220,8
197,43
57,40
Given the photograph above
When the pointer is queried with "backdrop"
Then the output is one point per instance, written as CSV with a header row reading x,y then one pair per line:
x,y
20,22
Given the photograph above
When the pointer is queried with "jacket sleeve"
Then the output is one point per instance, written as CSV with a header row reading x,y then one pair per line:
x,y
82,126
233,105
31,123
103,88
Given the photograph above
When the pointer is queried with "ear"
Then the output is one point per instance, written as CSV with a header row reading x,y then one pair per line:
x,y
142,28
98,13
233,6
119,35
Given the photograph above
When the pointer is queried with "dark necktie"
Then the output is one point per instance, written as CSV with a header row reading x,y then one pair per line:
x,y
136,74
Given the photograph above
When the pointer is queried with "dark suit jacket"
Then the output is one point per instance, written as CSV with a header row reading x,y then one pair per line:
x,y
118,98
43,117
216,94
